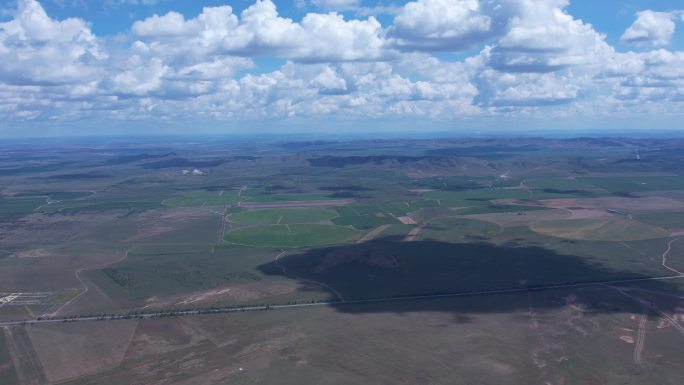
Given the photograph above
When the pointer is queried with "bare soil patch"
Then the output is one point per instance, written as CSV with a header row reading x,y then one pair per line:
x,y
588,213
628,339
49,228
150,231
34,253
235,293
270,346
373,234
157,222
413,234
407,220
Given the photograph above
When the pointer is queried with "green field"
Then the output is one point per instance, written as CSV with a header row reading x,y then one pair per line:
x,y
457,230
296,235
363,222
617,184
20,205
98,204
477,197
668,220
161,271
282,216
288,197
498,209
559,184
203,198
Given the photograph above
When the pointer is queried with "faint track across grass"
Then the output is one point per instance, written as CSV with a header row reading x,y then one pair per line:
x,y
24,358
641,337
665,254
85,286
653,307
369,236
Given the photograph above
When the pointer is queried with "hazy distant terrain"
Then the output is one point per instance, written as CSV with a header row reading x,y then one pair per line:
x,y
450,261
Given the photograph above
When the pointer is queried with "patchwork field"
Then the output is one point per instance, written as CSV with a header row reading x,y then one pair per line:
x,y
533,260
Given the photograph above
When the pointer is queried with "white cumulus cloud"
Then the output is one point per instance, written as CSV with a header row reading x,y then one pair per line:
x,y
259,30
543,37
34,49
652,28
516,58
441,25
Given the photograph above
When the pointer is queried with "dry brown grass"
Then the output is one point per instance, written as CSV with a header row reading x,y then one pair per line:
x,y
77,349
44,229
524,219
52,272
234,293
648,203
599,229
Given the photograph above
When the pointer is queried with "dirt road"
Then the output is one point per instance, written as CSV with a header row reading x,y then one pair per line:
x,y
665,254
373,234
339,302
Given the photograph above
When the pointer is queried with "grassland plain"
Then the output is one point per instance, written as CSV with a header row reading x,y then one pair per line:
x,y
7,369
156,227
538,342
114,228
492,209
674,254
288,197
638,183
670,220
68,351
20,205
158,276
477,197
140,199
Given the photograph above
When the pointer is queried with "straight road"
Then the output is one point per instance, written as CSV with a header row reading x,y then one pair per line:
x,y
181,313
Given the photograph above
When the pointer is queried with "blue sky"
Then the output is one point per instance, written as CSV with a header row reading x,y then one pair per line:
x,y
79,67
611,17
